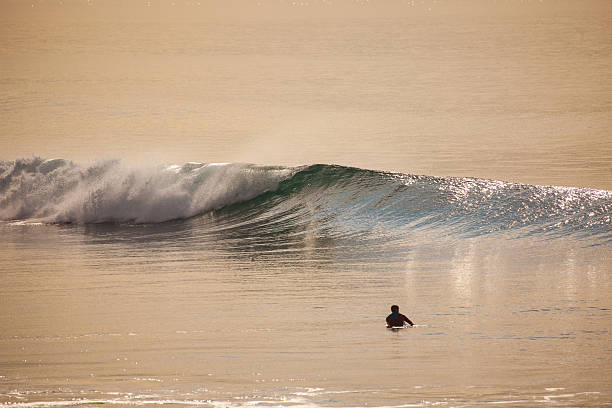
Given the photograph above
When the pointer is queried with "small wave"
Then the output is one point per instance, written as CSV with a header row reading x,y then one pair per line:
x,y
307,399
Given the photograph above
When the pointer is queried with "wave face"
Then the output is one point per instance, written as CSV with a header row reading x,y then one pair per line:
x,y
334,200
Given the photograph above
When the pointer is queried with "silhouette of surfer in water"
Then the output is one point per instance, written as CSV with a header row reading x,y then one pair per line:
x,y
396,319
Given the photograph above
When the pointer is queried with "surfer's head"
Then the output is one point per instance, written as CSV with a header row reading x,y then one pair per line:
x,y
395,308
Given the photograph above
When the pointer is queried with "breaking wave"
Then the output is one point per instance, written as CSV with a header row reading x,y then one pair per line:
x,y
340,200
59,191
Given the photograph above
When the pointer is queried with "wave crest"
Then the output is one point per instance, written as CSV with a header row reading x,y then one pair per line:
x,y
326,199
60,191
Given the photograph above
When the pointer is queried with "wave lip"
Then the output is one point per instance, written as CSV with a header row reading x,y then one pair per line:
x,y
60,191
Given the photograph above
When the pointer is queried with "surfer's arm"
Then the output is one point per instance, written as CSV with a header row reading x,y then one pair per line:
x,y
407,320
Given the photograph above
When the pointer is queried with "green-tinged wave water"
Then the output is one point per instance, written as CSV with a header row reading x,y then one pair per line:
x,y
345,201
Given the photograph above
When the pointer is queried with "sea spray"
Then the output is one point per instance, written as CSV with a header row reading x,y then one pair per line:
x,y
59,191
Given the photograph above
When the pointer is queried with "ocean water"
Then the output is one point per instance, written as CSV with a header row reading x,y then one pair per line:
x,y
242,285
509,90
215,203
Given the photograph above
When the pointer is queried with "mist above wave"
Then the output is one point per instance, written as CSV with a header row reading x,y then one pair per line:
x,y
60,191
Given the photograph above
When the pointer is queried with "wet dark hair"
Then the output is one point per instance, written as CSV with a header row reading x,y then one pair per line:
x,y
395,308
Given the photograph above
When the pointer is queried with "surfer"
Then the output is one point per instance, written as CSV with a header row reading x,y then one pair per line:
x,y
396,319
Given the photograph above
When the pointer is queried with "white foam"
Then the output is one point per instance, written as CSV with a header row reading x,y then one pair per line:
x,y
56,190
118,401
129,399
